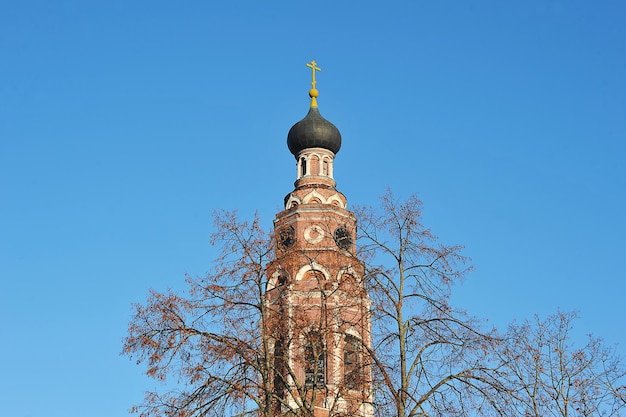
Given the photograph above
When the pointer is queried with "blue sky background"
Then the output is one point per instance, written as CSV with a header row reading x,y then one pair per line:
x,y
124,124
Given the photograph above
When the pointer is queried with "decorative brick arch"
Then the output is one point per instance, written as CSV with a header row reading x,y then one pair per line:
x,y
350,270
293,201
312,266
279,278
336,201
314,195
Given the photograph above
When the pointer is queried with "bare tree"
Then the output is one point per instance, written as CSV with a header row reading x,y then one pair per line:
x,y
430,358
222,348
221,342
208,343
549,374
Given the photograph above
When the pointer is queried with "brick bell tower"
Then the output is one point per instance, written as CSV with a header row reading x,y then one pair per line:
x,y
319,324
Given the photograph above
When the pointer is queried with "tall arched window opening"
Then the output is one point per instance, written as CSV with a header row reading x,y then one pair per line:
x,y
303,165
352,363
314,361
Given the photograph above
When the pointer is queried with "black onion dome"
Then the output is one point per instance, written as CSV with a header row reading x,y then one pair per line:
x,y
313,132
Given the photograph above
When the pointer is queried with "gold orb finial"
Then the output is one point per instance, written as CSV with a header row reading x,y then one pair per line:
x,y
313,93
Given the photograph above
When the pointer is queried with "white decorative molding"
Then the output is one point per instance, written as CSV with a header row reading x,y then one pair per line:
x,y
335,197
292,201
314,194
314,234
313,266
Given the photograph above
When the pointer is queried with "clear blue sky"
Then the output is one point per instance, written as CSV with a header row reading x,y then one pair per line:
x,y
124,124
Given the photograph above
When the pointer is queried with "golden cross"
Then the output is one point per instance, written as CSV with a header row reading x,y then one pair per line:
x,y
314,67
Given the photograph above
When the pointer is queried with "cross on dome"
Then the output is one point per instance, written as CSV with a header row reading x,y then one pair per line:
x,y
313,131
313,93
314,67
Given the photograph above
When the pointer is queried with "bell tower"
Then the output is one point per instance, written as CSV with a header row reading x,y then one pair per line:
x,y
320,321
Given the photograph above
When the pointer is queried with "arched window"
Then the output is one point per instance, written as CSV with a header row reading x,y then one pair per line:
x,y
314,275
303,165
314,360
282,280
352,363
